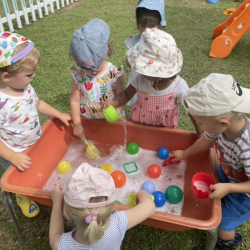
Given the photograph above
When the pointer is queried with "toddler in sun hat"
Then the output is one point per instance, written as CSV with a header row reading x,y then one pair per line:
x,y
19,106
217,103
157,60
89,200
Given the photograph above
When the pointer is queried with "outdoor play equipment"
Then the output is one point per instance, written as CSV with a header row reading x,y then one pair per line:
x,y
48,151
231,31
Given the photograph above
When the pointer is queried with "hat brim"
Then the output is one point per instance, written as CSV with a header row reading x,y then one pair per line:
x,y
244,106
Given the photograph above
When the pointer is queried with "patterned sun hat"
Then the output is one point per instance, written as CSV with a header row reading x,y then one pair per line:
x,y
156,55
8,43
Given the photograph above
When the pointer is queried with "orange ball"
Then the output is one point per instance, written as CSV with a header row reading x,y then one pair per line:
x,y
119,178
154,171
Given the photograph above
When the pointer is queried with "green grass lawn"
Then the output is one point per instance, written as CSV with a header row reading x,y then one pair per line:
x,y
191,22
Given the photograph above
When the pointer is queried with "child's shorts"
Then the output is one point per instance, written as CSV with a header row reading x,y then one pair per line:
x,y
4,163
235,207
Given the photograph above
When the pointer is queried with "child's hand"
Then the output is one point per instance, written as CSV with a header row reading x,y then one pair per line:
x,y
220,190
106,104
79,131
57,194
65,118
21,161
178,154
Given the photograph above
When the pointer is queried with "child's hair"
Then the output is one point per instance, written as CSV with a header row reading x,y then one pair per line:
x,y
30,61
111,49
145,16
229,116
95,230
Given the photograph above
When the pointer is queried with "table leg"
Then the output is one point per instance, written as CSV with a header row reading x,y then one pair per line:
x,y
11,209
212,239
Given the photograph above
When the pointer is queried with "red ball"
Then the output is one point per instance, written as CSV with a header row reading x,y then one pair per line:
x,y
119,178
154,171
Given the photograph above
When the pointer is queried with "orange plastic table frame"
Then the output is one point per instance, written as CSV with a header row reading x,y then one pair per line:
x,y
56,138
238,24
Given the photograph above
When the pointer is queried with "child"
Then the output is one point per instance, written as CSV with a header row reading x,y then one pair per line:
x,y
19,106
216,103
149,14
89,200
157,61
96,80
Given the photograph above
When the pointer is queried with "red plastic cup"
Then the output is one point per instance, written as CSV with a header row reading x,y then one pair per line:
x,y
200,184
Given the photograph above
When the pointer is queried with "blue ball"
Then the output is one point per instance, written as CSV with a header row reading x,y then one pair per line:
x,y
160,198
149,187
163,153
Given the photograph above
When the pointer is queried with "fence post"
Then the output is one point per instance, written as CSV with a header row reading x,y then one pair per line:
x,y
7,13
32,11
67,2
26,18
45,5
1,25
19,24
57,4
51,6
39,8
62,3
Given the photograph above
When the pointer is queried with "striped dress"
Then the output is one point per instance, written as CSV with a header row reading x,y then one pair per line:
x,y
111,240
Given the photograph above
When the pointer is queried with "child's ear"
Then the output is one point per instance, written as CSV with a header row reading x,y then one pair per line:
x,y
5,77
224,122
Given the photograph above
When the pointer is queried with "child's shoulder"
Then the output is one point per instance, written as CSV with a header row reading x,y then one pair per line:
x,y
131,41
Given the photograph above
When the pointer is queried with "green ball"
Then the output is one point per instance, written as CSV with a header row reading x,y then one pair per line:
x,y
118,202
174,194
132,148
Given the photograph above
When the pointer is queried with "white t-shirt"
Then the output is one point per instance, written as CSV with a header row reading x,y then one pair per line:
x,y
111,240
143,85
19,120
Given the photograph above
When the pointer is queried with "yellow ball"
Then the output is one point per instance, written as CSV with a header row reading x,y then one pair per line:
x,y
152,197
63,167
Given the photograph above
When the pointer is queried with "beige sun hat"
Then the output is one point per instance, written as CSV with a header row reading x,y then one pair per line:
x,y
217,94
156,55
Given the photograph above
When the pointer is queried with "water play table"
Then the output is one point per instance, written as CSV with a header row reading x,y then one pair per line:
x,y
49,150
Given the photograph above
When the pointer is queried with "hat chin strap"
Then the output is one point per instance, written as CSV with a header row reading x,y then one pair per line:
x,y
23,53
156,85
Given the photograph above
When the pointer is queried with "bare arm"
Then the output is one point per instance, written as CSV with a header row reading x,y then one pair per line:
x,y
121,99
199,146
198,130
19,159
75,98
48,110
142,211
56,228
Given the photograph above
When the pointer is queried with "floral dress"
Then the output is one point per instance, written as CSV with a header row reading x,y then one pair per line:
x,y
96,89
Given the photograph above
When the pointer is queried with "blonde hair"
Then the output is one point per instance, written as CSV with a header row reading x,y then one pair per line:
x,y
30,61
96,229
229,116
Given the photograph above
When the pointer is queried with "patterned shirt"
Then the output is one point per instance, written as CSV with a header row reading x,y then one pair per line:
x,y
96,89
111,240
234,154
19,120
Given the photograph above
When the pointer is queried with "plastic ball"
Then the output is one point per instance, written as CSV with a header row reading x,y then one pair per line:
x,y
163,153
149,187
154,171
174,194
132,148
63,167
159,198
153,198
131,200
119,178
118,202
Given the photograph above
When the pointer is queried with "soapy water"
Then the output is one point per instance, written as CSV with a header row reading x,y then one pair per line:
x,y
201,185
115,156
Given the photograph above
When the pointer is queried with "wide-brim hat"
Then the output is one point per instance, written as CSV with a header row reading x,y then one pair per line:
x,y
156,55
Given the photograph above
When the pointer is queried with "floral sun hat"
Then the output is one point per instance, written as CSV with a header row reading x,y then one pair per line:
x,y
156,55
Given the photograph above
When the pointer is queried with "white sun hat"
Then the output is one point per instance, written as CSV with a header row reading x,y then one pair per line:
x,y
156,55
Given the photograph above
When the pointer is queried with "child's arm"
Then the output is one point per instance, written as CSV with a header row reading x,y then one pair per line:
x,y
199,146
222,189
198,129
121,99
119,89
142,211
18,159
48,110
56,227
75,98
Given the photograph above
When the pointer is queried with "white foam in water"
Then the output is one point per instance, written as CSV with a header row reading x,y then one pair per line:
x,y
171,175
